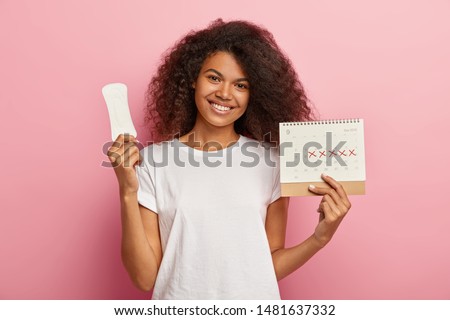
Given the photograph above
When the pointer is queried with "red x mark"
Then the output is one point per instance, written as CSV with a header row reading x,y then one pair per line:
x,y
351,152
342,153
332,153
312,154
322,153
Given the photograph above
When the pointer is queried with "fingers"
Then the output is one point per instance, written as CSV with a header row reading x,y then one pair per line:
x,y
124,138
338,188
328,211
328,191
335,203
331,207
321,211
124,150
336,192
131,159
334,207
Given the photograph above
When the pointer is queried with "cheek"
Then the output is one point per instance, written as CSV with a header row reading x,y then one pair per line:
x,y
244,99
201,90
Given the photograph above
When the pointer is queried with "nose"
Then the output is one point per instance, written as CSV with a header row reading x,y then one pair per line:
x,y
224,91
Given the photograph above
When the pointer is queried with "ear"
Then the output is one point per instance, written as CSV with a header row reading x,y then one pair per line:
x,y
193,85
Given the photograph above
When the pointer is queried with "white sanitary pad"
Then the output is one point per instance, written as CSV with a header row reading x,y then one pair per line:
x,y
116,98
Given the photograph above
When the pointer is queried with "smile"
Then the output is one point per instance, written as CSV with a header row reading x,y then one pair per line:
x,y
220,107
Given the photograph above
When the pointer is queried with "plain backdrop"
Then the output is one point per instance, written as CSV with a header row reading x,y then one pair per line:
x,y
387,62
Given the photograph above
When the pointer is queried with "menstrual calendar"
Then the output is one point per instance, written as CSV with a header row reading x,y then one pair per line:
x,y
333,147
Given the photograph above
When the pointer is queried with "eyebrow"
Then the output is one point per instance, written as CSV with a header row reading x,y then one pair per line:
x,y
221,75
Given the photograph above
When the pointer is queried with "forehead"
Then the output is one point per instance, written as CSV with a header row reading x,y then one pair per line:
x,y
223,62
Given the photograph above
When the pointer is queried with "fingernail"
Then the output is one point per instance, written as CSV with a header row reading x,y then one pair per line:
x,y
324,175
311,186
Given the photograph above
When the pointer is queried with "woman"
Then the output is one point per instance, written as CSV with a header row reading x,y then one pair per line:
x,y
202,216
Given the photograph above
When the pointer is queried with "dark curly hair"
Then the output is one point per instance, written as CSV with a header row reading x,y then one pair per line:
x,y
276,93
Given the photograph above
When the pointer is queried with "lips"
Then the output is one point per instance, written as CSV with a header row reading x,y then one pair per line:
x,y
220,106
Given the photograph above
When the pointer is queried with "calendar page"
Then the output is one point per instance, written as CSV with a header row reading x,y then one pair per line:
x,y
333,147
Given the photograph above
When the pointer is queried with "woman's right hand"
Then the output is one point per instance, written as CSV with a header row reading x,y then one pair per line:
x,y
124,155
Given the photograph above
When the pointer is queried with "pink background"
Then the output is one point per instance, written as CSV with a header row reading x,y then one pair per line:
x,y
387,62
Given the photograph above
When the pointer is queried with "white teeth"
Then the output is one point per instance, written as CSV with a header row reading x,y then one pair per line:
x,y
219,107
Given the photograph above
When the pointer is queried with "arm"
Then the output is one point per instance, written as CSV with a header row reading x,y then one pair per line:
x,y
332,209
141,244
286,260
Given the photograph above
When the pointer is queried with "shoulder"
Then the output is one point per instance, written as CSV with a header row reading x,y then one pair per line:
x,y
156,152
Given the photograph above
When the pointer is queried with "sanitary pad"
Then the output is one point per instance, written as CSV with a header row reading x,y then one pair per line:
x,y
116,98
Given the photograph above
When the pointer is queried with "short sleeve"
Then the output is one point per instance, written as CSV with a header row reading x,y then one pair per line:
x,y
146,176
276,188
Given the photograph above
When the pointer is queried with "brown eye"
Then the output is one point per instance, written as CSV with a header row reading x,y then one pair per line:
x,y
242,86
213,78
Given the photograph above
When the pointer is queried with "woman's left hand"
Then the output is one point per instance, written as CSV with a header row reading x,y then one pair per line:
x,y
333,208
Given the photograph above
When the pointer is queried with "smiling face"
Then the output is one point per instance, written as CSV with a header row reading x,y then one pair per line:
x,y
222,91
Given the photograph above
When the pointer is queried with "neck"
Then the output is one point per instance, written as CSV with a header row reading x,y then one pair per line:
x,y
208,138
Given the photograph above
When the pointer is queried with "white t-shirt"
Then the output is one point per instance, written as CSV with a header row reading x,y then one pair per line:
x,y
212,208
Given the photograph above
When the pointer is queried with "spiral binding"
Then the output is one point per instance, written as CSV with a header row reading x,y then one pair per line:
x,y
332,121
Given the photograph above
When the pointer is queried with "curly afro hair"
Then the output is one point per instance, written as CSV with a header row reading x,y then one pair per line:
x,y
276,94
